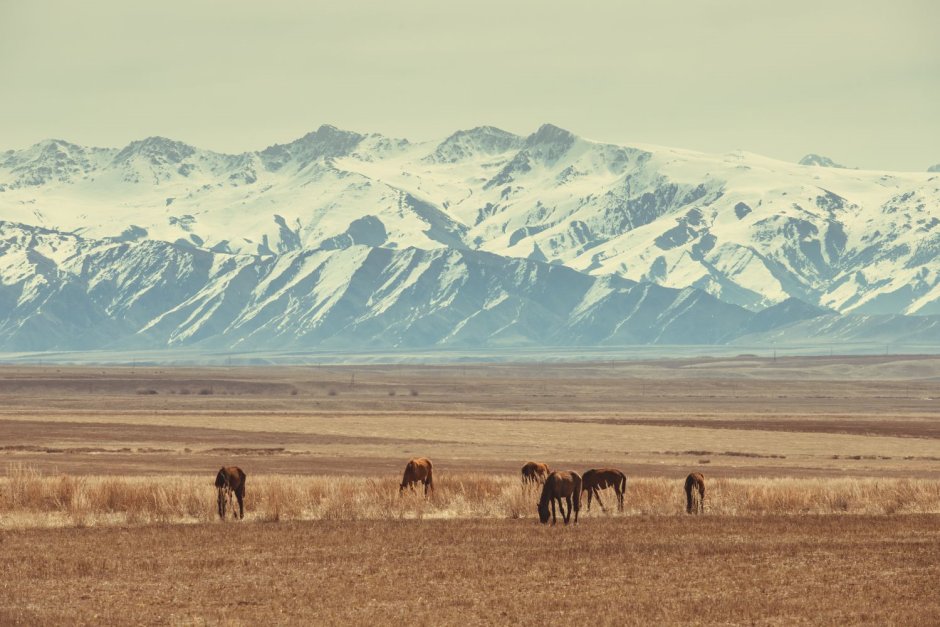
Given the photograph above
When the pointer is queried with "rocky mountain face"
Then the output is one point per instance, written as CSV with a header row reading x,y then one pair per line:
x,y
64,292
819,160
344,239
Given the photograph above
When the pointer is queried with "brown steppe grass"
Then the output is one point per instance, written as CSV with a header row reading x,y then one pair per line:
x,y
643,570
30,499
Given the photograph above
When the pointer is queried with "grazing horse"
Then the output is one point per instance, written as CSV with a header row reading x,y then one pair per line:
x,y
561,484
231,482
418,470
534,472
601,479
695,482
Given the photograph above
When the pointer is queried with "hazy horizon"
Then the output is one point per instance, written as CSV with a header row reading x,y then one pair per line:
x,y
857,82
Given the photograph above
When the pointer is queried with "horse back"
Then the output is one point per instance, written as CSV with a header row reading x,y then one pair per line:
x,y
535,469
418,469
603,478
562,483
230,476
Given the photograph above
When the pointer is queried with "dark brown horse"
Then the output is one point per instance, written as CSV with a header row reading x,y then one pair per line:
x,y
561,484
231,482
418,470
597,479
534,472
695,493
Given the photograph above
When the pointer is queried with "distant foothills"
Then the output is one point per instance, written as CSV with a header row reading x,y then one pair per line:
x,y
348,241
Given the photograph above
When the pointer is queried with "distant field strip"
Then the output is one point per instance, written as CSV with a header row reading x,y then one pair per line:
x,y
30,499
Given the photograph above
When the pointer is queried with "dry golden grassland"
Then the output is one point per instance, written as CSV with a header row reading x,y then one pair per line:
x,y
29,499
822,504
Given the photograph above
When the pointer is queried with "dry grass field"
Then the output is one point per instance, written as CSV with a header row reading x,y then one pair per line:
x,y
823,501
29,499
641,570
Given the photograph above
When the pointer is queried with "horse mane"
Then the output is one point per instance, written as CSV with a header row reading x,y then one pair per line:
x,y
546,491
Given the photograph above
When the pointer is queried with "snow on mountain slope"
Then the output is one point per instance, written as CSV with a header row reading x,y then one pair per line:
x,y
63,291
749,230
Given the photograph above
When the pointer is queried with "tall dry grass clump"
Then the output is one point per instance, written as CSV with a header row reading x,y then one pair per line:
x,y
31,499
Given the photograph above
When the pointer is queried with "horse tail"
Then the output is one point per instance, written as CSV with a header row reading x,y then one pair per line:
x,y
241,483
701,492
220,479
578,485
430,476
623,484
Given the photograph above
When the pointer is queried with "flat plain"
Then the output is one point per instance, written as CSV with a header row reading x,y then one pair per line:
x,y
826,416
805,435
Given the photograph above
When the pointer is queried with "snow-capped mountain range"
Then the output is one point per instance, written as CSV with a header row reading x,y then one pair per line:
x,y
483,238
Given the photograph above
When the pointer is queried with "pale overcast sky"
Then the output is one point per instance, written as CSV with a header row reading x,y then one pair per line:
x,y
856,80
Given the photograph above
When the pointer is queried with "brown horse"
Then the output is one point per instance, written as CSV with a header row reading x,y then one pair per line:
x,y
601,479
418,470
695,482
231,481
534,472
561,484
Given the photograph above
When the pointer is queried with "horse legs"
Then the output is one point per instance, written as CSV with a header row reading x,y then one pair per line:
x,y
220,498
568,516
599,501
589,499
240,495
553,511
561,506
619,500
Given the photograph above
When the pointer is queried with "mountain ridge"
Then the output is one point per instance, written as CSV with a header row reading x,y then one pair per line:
x,y
66,292
749,231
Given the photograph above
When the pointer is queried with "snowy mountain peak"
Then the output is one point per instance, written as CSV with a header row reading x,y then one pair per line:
x,y
549,134
49,161
548,144
325,142
821,161
466,144
156,151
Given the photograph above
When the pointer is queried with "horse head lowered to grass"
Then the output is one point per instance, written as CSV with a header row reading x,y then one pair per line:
x,y
598,479
695,493
418,470
561,484
230,482
534,472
